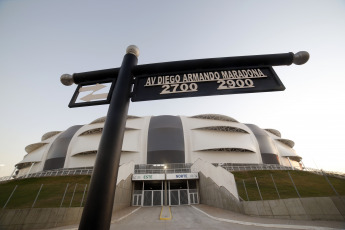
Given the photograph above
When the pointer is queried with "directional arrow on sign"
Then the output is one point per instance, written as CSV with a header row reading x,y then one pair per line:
x,y
93,88
92,96
86,93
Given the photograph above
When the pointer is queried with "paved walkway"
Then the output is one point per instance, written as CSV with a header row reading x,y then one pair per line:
x,y
204,217
233,217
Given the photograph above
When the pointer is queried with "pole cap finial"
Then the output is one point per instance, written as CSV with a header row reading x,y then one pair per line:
x,y
301,57
132,49
66,79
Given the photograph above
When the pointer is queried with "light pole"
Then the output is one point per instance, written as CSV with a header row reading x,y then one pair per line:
x,y
165,186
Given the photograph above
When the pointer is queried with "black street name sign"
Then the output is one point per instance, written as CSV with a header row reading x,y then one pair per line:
x,y
206,83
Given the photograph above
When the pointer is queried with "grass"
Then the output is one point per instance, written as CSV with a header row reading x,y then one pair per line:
x,y
53,189
51,194
307,184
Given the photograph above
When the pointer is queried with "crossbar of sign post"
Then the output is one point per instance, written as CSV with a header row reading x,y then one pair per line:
x,y
206,83
184,84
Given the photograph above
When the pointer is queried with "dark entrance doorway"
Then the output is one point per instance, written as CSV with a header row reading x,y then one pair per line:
x,y
152,193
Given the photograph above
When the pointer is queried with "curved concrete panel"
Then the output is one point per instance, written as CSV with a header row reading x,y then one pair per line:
x,y
57,153
202,141
269,152
165,140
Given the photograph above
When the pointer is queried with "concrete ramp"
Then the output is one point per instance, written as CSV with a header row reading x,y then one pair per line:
x,y
203,217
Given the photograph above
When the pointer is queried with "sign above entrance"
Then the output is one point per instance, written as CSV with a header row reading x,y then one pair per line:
x,y
179,176
206,83
172,176
148,177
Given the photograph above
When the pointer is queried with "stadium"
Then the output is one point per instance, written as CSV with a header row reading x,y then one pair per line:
x,y
163,156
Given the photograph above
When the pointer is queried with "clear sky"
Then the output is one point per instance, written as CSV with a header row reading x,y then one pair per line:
x,y
40,40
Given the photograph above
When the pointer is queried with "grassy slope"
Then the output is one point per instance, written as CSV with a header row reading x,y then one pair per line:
x,y
50,195
308,184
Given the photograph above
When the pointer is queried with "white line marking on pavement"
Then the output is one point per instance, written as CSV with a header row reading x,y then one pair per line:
x,y
113,221
117,220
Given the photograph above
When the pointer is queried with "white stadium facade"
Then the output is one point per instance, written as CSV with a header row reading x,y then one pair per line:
x,y
166,156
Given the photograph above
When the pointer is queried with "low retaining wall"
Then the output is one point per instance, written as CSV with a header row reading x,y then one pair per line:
x,y
313,208
123,194
42,218
39,218
217,186
217,196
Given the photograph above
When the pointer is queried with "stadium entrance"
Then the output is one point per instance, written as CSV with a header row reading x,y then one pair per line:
x,y
165,189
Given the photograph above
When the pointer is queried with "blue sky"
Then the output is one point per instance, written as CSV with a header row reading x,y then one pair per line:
x,y
40,40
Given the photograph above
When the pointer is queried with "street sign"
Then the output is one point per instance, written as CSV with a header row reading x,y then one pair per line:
x,y
206,83
247,74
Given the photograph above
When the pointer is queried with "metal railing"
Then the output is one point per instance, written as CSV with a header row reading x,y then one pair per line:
x,y
60,172
161,171
233,168
162,168
252,167
328,173
5,178
173,168
55,172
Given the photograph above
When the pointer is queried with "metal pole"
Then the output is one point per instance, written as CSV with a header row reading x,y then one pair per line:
x,y
290,163
275,185
15,168
64,195
10,196
302,164
294,186
37,196
165,189
258,187
61,206
188,193
100,198
245,189
324,174
75,187
186,65
27,174
82,199
142,194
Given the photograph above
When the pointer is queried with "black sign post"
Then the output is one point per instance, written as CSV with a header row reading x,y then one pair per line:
x,y
99,203
192,78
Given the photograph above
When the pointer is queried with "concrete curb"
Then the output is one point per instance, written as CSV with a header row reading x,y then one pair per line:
x,y
280,226
112,222
165,215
